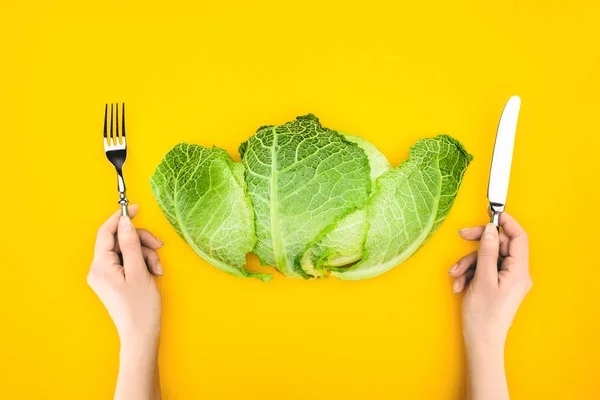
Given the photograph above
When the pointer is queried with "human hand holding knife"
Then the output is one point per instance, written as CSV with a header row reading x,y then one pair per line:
x,y
495,279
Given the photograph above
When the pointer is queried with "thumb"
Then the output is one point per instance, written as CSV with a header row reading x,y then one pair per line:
x,y
487,256
131,248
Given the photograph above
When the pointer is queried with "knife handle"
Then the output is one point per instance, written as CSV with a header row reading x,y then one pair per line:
x,y
495,219
496,210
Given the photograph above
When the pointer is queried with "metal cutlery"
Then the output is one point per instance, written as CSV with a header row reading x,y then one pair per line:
x,y
502,158
115,147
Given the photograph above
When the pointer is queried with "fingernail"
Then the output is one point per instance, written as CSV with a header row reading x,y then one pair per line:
x,y
490,231
453,268
464,230
159,269
160,242
125,223
456,286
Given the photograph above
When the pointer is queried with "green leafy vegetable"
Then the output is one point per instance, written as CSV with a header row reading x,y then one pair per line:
x,y
201,191
302,178
308,200
408,205
344,244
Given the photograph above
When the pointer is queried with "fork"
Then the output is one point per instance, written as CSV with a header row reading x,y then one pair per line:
x,y
115,148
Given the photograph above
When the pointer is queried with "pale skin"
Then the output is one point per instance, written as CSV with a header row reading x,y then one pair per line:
x,y
494,280
120,276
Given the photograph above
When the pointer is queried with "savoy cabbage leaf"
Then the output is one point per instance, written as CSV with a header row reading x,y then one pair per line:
x,y
344,244
408,204
302,179
202,193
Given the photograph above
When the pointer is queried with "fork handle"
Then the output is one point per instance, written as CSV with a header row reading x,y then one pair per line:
x,y
122,197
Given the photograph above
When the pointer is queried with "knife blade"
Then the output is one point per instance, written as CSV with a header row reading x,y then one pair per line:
x,y
502,158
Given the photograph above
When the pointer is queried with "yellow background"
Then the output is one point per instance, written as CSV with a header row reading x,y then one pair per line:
x,y
211,73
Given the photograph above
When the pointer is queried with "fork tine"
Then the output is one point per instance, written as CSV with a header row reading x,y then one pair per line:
x,y
105,115
111,125
123,121
117,124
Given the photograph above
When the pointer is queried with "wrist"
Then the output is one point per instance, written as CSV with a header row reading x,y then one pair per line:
x,y
481,341
139,347
485,355
139,339
477,349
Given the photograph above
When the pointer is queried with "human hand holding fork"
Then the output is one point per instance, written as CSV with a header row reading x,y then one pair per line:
x,y
125,259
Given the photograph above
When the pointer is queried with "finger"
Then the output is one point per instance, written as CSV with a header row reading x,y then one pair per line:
x,y
487,256
514,275
463,264
519,243
513,268
147,239
152,261
105,239
131,249
510,225
462,281
475,233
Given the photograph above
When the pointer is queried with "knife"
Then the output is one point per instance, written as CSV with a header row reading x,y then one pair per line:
x,y
502,158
